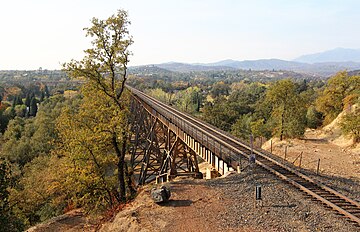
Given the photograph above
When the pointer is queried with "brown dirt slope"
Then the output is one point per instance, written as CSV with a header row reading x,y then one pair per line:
x,y
337,153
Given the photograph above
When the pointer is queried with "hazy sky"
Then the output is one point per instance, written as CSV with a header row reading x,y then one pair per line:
x,y
46,33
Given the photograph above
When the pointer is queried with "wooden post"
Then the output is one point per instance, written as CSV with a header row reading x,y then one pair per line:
x,y
240,163
251,143
300,159
318,167
271,146
285,152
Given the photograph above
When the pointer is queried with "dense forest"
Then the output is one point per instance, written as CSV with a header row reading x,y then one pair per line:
x,y
64,137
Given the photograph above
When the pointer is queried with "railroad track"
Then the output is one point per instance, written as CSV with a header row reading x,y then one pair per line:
x,y
331,199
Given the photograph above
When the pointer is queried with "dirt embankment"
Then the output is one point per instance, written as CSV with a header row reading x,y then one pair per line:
x,y
337,153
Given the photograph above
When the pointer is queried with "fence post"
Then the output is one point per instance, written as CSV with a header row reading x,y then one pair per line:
x,y
271,146
285,152
300,159
251,143
239,167
318,167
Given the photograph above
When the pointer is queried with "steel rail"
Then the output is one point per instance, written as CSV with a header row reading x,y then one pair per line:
x,y
315,189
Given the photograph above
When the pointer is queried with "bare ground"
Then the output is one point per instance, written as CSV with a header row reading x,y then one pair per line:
x,y
338,156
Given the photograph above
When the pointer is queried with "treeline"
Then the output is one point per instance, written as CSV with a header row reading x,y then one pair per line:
x,y
282,108
151,75
30,76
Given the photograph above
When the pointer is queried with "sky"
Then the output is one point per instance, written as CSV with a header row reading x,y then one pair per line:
x,y
47,33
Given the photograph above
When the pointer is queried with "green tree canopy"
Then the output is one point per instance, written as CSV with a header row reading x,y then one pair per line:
x,y
288,115
220,89
330,102
189,100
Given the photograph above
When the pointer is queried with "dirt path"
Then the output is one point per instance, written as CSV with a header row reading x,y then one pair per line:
x,y
193,207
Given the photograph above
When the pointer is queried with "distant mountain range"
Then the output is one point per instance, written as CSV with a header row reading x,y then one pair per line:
x,y
325,63
335,55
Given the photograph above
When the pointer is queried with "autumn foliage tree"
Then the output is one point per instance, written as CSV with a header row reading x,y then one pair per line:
x,y
105,69
86,133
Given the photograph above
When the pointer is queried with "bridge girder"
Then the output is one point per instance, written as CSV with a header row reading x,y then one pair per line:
x,y
155,148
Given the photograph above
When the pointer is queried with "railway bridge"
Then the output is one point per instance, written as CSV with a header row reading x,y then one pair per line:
x,y
167,143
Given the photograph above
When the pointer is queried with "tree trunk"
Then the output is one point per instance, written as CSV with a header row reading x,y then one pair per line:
x,y
282,124
130,184
120,165
121,178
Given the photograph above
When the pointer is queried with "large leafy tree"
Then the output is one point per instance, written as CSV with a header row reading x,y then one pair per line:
x,y
86,135
288,114
105,69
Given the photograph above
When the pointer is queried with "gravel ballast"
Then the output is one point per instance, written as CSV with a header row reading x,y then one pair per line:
x,y
282,208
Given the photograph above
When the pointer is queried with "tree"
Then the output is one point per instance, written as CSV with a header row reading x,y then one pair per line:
x,y
223,113
241,128
86,140
8,221
350,124
330,102
4,119
314,118
27,138
105,68
33,107
19,100
220,89
42,96
28,100
161,95
288,109
20,110
189,100
36,193
46,91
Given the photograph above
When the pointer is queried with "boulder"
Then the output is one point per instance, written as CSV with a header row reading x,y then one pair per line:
x,y
161,194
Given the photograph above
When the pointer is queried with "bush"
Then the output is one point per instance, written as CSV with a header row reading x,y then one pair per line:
x,y
314,118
